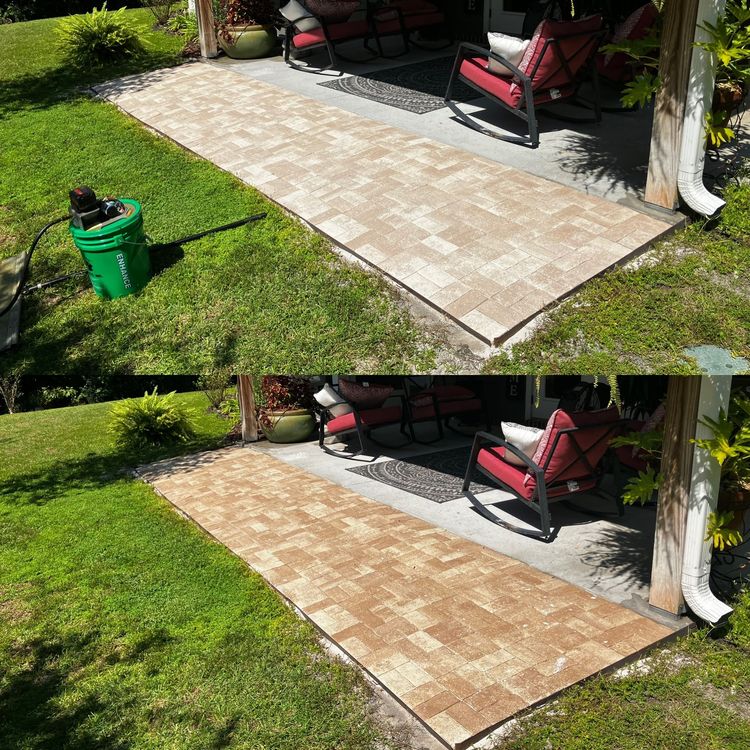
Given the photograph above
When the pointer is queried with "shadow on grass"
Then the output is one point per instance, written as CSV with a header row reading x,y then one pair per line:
x,y
97,470
48,87
32,705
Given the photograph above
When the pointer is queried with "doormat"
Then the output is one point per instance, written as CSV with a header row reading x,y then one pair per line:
x,y
434,476
417,87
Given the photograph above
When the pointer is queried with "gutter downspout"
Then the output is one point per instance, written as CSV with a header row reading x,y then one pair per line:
x,y
704,490
699,95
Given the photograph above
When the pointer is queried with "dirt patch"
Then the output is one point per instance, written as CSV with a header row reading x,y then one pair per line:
x,y
12,609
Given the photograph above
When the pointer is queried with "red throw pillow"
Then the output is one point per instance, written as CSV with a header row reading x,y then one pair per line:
x,y
333,11
364,396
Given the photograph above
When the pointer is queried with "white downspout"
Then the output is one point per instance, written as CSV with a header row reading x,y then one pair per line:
x,y
704,490
699,96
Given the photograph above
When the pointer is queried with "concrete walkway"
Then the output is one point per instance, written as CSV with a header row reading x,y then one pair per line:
x,y
463,636
488,245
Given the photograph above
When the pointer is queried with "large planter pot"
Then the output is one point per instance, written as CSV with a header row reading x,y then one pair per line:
x,y
249,42
728,97
290,426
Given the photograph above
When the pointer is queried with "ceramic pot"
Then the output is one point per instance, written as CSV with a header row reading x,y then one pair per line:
x,y
249,42
290,426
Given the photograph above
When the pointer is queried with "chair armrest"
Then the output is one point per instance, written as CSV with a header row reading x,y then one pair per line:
x,y
502,443
489,54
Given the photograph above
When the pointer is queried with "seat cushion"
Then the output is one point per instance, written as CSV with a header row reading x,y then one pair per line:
x,y
365,396
493,460
474,70
542,62
337,32
447,409
369,418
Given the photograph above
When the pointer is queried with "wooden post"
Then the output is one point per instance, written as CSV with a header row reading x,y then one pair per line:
x,y
680,17
204,12
248,414
680,424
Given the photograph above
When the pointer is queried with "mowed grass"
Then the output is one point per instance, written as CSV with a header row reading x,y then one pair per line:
x,y
266,298
693,289
123,626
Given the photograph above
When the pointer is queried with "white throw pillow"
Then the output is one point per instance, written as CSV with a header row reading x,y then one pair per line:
x,y
329,399
526,439
509,47
294,10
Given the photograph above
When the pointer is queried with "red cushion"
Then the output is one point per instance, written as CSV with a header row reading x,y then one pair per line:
x,y
336,32
411,22
370,396
492,459
550,74
563,463
368,417
447,409
474,69
450,392
617,66
333,11
635,462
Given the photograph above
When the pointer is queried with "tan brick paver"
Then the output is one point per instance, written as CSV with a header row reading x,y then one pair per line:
x,y
487,244
465,637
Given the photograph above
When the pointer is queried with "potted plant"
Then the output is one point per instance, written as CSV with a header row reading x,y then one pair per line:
x,y
245,28
286,415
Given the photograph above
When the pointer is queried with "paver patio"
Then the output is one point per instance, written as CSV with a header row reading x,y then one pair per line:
x,y
487,244
463,636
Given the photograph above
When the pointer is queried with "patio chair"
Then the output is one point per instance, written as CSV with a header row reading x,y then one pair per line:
x,y
439,404
566,463
309,31
404,18
558,57
362,422
618,67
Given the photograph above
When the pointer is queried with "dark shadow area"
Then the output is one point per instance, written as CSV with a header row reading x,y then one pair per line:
x,y
95,471
53,85
165,258
31,704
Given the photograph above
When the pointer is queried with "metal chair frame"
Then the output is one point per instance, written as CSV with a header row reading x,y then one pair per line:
x,y
362,431
539,500
526,80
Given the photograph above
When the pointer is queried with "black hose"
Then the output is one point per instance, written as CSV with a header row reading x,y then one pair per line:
x,y
191,237
29,253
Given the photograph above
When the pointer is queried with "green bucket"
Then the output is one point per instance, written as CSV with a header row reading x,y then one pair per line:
x,y
116,255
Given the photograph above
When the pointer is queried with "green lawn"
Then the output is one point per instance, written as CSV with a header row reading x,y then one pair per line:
x,y
692,290
123,626
271,298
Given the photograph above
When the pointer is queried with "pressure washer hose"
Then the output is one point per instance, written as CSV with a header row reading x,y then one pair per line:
x,y
29,253
159,246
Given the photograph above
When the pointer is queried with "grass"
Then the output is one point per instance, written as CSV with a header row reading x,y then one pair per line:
x,y
692,289
123,626
271,298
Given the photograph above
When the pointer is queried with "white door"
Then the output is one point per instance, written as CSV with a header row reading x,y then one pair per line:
x,y
505,15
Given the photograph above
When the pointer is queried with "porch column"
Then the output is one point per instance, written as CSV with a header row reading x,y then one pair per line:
x,y
248,415
680,423
204,12
678,33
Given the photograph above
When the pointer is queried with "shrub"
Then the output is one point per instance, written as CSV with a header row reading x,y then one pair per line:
x,y
152,421
161,9
99,37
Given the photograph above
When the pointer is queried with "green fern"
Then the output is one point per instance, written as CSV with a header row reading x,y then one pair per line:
x,y
640,489
153,420
719,532
99,37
